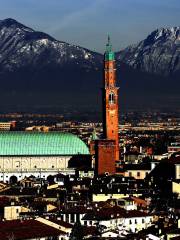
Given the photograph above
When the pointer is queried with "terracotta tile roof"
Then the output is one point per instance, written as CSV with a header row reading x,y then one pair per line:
x,y
104,213
61,223
76,209
174,160
112,213
139,201
101,204
90,231
17,191
136,213
27,229
4,201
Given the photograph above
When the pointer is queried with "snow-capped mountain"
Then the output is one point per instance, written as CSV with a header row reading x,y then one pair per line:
x,y
37,70
21,46
159,53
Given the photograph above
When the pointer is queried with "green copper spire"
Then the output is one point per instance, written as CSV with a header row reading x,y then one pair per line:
x,y
94,135
109,54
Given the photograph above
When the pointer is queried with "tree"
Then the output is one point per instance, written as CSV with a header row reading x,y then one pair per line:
x,y
77,232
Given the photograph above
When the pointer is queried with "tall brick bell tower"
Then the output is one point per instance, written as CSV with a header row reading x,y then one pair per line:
x,y
110,99
106,150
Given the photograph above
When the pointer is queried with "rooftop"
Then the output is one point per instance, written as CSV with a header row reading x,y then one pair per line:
x,y
40,143
107,213
27,229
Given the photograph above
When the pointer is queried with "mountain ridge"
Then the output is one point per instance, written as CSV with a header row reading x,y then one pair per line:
x,y
156,54
38,70
19,43
159,53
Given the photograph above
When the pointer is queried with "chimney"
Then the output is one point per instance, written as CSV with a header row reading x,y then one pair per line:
x,y
124,149
140,149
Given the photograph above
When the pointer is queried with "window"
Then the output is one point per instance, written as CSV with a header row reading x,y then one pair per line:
x,y
17,210
121,203
138,174
77,218
143,221
130,174
130,222
72,218
17,164
111,98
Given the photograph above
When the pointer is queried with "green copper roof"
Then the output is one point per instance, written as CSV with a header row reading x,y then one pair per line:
x,y
39,143
109,54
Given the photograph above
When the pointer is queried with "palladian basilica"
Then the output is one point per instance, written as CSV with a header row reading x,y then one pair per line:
x,y
38,154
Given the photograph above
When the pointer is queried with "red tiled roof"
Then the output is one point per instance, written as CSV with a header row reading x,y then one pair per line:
x,y
4,201
60,222
113,212
27,229
76,209
139,201
104,213
174,160
90,231
136,213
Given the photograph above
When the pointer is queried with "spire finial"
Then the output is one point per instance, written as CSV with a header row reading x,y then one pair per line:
x,y
109,45
109,54
109,40
94,135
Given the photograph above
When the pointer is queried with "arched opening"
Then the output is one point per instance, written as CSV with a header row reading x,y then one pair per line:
x,y
32,177
13,180
50,179
111,98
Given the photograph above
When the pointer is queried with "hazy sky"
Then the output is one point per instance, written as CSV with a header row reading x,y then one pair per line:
x,y
87,22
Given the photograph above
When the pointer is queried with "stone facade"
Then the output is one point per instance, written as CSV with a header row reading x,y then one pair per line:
x,y
38,166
